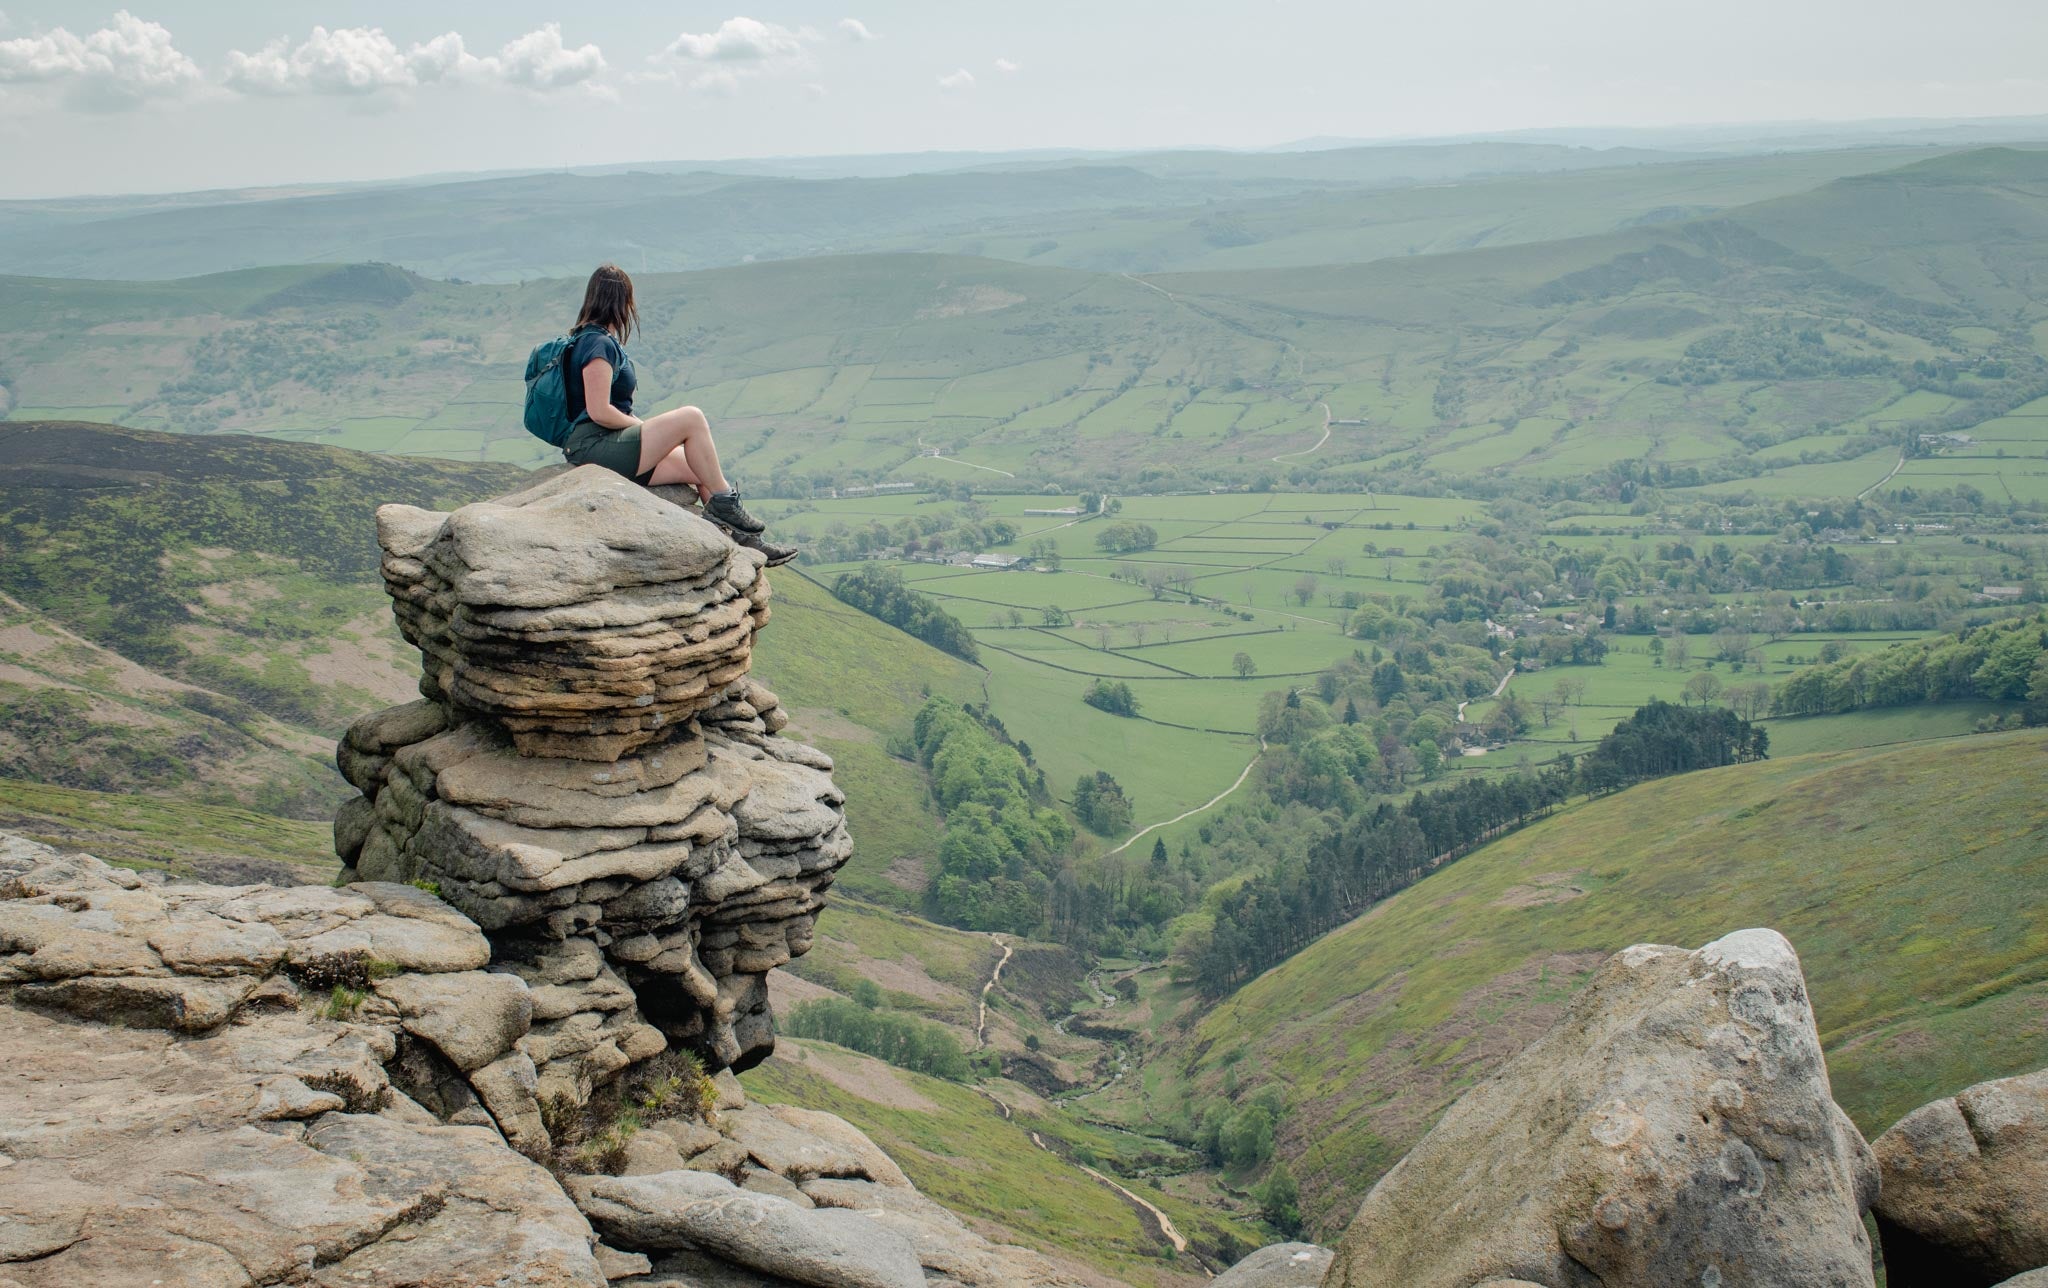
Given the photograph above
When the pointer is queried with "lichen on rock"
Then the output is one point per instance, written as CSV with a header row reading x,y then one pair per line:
x,y
1674,1127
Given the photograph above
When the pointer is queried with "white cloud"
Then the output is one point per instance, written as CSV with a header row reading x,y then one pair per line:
x,y
741,40
814,91
1006,67
119,66
958,80
365,61
855,30
539,60
347,60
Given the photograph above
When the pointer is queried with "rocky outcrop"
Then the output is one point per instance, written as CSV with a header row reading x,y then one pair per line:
x,y
592,776
777,1194
198,1089
236,1085
1674,1127
1281,1265
1965,1201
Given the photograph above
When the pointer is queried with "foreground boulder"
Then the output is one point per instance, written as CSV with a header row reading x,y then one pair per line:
x,y
1674,1127
1965,1202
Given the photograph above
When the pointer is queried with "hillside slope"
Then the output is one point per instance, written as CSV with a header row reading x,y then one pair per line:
x,y
198,616
1914,883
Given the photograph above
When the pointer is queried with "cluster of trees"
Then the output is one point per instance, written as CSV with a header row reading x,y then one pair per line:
x,y
1003,843
1100,804
903,1040
1661,739
1123,537
1328,872
1369,856
966,525
1113,696
2002,661
1774,349
880,592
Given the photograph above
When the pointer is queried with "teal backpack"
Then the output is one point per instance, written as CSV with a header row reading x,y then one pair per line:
x,y
547,393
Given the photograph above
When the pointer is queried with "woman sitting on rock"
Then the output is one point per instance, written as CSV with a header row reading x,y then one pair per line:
x,y
672,447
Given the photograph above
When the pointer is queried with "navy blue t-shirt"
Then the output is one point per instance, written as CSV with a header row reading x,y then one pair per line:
x,y
591,346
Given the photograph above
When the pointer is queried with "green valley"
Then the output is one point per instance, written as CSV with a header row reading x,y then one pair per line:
x,y
1176,530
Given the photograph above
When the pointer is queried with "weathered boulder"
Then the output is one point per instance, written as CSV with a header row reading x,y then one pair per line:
x,y
1674,1127
1965,1199
136,1156
1282,1265
2031,1279
687,1210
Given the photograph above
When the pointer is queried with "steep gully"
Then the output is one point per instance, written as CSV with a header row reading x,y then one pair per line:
x,y
1160,1224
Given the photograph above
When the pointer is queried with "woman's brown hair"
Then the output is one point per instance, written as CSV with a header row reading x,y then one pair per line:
x,y
608,302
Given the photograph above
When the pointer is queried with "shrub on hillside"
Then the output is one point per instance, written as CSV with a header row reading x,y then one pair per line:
x,y
1100,804
1123,537
1113,696
1002,846
880,592
903,1040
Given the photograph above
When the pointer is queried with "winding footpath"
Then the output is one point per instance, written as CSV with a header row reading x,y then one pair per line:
x,y
981,1020
927,447
1210,804
1886,479
1498,689
1164,1222
1311,451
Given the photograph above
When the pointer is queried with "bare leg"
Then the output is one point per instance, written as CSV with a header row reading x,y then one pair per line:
x,y
675,468
686,433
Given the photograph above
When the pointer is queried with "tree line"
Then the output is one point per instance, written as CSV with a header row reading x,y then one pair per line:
x,y
2002,661
902,1040
1371,855
879,592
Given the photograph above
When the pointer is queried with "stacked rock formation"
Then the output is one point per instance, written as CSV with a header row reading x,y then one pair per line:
x,y
591,775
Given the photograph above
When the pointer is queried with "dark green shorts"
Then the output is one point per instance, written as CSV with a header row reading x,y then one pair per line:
x,y
618,450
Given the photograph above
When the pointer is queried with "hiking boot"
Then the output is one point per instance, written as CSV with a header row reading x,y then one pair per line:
x,y
778,555
724,509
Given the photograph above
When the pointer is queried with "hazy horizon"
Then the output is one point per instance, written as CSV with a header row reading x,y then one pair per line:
x,y
181,96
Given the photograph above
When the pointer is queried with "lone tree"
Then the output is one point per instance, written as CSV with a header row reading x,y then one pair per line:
x,y
1703,688
1244,666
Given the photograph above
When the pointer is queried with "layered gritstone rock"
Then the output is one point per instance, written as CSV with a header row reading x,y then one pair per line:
x,y
252,1085
591,775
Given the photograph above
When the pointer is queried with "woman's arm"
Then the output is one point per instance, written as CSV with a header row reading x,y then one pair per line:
x,y
597,397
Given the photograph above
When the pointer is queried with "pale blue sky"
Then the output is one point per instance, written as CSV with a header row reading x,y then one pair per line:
x,y
183,94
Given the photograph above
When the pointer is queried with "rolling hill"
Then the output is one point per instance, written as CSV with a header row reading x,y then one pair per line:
x,y
1768,350
1913,881
664,218
197,618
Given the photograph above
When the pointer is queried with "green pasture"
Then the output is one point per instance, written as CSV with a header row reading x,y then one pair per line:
x,y
1880,727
